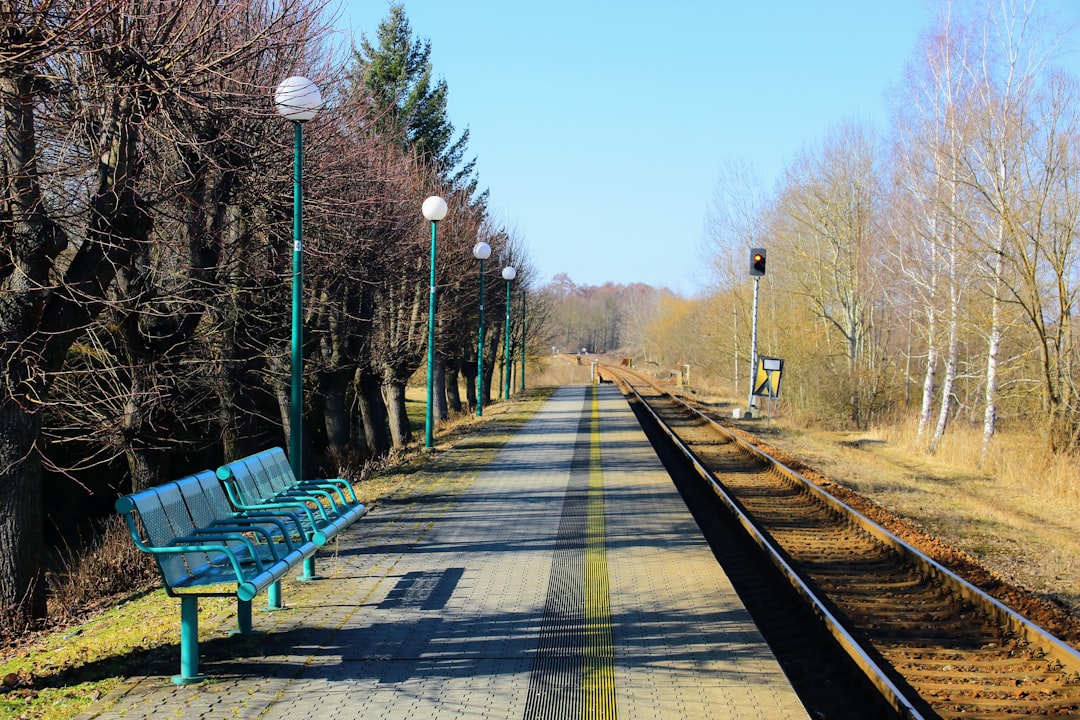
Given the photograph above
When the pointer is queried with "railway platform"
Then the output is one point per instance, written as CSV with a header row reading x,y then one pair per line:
x,y
559,577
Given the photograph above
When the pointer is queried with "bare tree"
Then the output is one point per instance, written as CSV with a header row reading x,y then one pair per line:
x,y
1009,183
830,230
735,223
89,99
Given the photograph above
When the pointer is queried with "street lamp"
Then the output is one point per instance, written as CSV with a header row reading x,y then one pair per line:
x,y
297,99
508,273
481,251
434,209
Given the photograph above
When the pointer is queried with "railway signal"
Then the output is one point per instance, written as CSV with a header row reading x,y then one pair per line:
x,y
757,269
757,261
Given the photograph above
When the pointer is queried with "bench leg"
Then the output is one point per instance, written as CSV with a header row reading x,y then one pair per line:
x,y
189,642
309,570
243,616
273,596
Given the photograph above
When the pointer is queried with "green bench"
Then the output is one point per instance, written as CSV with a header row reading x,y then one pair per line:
x,y
264,482
204,547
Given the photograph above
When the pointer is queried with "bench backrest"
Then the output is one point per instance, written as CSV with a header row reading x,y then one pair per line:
x,y
277,468
205,499
163,518
214,494
260,476
242,482
175,510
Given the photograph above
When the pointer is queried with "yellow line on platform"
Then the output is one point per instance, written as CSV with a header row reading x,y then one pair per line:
x,y
598,671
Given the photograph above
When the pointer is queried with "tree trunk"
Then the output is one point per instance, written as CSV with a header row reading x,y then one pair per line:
x,y
468,372
439,391
952,350
396,414
335,412
493,363
993,350
147,463
929,379
22,578
373,413
282,392
453,391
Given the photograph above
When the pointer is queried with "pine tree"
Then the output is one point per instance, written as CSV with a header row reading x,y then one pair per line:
x,y
410,106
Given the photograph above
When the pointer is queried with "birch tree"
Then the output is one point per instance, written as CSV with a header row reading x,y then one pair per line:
x,y
1006,74
930,252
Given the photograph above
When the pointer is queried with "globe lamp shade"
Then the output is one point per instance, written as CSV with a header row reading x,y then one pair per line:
x,y
481,251
434,208
297,99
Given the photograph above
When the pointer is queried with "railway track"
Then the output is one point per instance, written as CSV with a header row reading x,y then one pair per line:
x,y
932,644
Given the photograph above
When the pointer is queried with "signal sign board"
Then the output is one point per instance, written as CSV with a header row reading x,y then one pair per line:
x,y
767,378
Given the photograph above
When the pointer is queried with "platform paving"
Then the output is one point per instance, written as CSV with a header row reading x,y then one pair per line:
x,y
563,578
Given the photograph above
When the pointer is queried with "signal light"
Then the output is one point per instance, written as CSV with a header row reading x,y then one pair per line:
x,y
757,261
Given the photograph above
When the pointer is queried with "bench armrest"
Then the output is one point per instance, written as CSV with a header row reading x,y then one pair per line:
x,y
237,500
203,535
283,520
313,496
341,487
236,532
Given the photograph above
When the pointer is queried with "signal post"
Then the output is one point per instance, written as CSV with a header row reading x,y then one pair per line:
x,y
757,270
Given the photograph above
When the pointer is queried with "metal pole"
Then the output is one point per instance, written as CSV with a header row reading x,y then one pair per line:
x,y
506,361
429,421
296,398
522,341
480,351
753,350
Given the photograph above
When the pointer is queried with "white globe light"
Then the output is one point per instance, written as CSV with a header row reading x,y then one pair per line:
x,y
434,208
481,251
509,273
297,99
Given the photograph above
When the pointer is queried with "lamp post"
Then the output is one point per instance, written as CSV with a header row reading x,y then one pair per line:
x,y
434,209
297,99
508,273
481,251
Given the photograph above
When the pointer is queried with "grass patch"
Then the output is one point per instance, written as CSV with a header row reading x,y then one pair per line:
x,y
62,673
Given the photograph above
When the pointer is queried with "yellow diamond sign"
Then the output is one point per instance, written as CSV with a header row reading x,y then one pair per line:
x,y
767,378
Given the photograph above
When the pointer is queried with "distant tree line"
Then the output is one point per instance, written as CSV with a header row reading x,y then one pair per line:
x,y
146,229
599,319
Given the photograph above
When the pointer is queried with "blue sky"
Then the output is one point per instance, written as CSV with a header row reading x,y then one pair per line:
x,y
600,128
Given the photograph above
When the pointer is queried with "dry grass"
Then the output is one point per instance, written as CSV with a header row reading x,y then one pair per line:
x,y
1017,460
109,565
560,370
